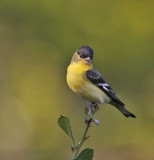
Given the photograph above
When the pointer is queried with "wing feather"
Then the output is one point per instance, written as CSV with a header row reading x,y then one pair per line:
x,y
95,77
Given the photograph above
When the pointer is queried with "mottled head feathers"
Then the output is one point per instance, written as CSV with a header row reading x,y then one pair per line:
x,y
85,51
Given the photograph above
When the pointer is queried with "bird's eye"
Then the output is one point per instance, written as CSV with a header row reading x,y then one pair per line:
x,y
83,56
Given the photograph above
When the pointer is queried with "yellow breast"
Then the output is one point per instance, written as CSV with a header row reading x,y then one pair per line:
x,y
76,77
79,83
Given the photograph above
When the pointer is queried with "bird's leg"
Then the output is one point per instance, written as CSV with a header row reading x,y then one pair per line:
x,y
90,106
93,106
90,110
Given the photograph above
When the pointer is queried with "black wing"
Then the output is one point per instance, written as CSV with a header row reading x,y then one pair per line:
x,y
95,77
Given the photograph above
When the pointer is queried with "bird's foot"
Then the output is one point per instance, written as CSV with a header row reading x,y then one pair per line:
x,y
90,110
87,120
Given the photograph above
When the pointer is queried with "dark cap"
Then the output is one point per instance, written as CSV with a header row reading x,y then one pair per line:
x,y
85,51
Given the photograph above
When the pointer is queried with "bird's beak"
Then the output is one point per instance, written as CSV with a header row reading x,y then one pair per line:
x,y
87,60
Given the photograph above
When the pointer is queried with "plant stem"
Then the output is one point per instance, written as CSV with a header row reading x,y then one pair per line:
x,y
73,141
74,154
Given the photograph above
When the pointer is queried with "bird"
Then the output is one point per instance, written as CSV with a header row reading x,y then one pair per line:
x,y
83,79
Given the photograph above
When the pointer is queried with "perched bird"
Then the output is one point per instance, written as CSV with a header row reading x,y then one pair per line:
x,y
87,82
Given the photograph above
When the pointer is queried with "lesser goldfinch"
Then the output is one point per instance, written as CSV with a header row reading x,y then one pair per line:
x,y
87,82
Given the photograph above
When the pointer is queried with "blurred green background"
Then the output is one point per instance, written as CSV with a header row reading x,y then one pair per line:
x,y
37,41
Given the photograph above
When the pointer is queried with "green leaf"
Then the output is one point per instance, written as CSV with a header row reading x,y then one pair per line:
x,y
86,154
65,125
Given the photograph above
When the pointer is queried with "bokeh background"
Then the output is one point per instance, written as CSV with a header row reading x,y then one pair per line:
x,y
37,40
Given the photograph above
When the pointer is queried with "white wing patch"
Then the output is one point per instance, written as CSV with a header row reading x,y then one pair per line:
x,y
104,85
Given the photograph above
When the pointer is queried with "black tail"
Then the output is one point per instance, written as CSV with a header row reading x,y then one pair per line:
x,y
123,110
